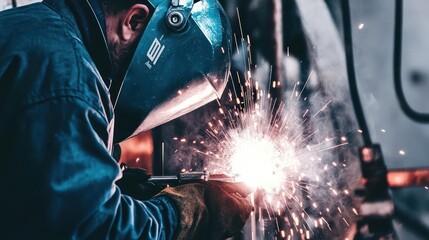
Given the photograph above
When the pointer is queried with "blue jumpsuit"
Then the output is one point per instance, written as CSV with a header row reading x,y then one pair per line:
x,y
56,124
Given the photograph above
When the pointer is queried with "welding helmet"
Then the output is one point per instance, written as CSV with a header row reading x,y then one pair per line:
x,y
181,63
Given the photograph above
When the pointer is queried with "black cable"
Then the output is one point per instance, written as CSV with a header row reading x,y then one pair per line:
x,y
397,71
400,213
354,92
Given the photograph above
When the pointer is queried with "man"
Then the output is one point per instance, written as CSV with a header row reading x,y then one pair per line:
x,y
59,83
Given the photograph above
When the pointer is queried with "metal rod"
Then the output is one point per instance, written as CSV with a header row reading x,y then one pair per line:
x,y
276,53
253,218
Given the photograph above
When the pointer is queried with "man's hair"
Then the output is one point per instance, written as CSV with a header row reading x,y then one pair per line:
x,y
116,6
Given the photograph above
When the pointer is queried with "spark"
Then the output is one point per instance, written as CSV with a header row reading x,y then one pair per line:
x,y
274,147
323,108
346,222
401,152
361,25
266,149
335,146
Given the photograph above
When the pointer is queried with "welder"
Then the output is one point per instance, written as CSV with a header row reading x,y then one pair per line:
x,y
77,76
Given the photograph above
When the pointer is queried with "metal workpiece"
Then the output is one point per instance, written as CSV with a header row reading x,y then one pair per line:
x,y
377,208
400,178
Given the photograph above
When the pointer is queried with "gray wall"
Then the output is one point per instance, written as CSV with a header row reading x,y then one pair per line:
x,y
5,4
389,126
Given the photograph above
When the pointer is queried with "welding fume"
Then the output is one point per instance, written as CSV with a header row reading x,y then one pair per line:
x,y
211,119
80,76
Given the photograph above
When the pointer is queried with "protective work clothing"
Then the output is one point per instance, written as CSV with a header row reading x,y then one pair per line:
x,y
56,131
210,210
134,183
186,50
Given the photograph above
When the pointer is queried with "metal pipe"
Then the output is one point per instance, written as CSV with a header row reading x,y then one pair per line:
x,y
277,83
408,178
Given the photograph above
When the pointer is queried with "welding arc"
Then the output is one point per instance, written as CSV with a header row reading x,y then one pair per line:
x,y
397,71
354,92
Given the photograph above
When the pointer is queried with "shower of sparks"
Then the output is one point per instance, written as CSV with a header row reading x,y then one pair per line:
x,y
269,149
267,144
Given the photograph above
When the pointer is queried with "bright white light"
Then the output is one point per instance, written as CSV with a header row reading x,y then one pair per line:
x,y
257,162
259,159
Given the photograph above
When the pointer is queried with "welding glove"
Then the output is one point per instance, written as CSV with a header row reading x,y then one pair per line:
x,y
210,210
134,183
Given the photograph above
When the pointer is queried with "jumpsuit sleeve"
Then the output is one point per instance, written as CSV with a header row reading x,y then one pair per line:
x,y
68,175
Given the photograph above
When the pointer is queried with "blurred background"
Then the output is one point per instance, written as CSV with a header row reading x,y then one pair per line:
x,y
290,40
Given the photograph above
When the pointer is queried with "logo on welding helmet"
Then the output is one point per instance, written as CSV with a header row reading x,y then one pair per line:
x,y
154,52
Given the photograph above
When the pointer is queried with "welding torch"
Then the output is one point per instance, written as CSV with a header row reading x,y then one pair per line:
x,y
138,183
181,178
188,177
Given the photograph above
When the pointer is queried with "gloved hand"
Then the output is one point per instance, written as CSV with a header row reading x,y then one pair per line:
x,y
210,210
134,184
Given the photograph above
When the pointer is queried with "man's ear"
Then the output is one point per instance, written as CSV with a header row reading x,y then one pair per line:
x,y
134,22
